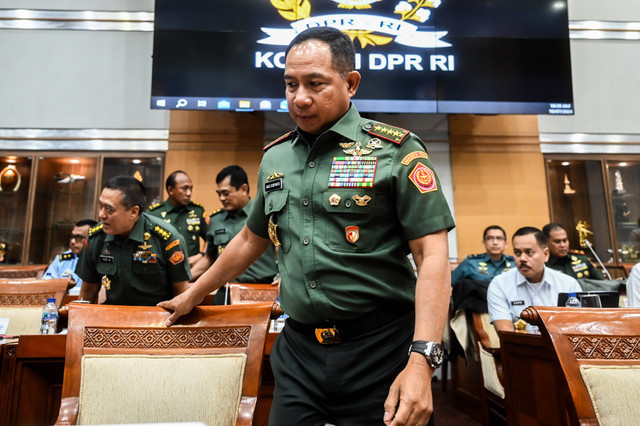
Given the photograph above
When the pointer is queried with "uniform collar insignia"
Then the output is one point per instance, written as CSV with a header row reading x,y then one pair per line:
x,y
275,175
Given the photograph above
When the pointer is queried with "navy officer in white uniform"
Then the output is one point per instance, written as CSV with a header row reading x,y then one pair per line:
x,y
531,283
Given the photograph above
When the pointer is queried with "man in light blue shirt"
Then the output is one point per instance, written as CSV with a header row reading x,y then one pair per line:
x,y
531,283
64,264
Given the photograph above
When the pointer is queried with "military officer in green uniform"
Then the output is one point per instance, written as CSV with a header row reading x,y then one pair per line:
x,y
188,217
485,266
571,262
138,259
345,199
232,187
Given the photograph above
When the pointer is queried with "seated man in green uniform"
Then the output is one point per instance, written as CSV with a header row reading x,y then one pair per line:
x,y
233,192
345,199
571,262
485,266
188,217
138,258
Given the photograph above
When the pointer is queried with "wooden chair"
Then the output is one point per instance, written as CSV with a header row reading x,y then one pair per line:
x,y
123,365
27,271
252,293
488,344
598,353
22,300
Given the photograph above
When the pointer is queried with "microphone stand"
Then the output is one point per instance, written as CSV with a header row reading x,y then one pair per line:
x,y
597,258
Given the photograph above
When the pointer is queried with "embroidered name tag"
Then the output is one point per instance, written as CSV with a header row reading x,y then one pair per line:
x,y
352,172
517,302
272,185
220,231
106,259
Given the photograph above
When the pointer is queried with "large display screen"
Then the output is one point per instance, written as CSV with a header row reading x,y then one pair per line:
x,y
441,56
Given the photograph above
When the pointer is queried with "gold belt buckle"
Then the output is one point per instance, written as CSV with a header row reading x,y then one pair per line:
x,y
328,336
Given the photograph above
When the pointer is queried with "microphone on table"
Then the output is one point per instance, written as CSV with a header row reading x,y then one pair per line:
x,y
597,258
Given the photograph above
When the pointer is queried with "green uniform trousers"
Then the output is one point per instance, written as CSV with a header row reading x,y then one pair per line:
x,y
342,384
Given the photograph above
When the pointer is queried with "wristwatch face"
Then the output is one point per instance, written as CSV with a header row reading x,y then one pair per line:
x,y
436,355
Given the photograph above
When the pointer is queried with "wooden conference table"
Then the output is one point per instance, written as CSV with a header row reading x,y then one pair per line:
x,y
31,373
532,381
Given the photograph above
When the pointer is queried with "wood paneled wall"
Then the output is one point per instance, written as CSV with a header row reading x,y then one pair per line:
x,y
498,176
204,142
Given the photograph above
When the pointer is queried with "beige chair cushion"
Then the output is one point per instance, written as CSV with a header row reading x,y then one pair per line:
x,y
490,373
161,388
22,320
614,393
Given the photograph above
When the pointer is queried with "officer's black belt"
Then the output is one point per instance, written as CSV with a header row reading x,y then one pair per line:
x,y
333,332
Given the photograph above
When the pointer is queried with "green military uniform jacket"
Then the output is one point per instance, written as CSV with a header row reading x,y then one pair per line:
x,y
189,220
223,226
343,210
139,269
480,267
575,264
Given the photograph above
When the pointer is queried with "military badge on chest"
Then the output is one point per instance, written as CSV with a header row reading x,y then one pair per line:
x,y
193,221
145,255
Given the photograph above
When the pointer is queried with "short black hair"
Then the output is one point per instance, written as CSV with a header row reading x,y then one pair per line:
x,y
343,52
546,230
526,230
237,176
133,191
171,179
84,222
489,228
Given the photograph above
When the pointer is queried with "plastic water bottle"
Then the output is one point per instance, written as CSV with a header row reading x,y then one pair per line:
x,y
49,317
572,301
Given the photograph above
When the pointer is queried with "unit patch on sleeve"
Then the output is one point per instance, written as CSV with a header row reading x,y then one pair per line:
x,y
412,156
423,178
352,172
176,257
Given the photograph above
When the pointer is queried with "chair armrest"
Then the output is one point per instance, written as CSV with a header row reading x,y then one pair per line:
x,y
68,411
246,410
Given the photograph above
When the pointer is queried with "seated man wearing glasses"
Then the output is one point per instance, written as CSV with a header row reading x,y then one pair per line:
x,y
485,266
64,264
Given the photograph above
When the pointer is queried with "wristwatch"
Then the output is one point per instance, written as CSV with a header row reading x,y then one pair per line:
x,y
433,351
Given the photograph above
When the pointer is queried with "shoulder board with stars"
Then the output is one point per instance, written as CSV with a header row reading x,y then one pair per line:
x,y
384,131
163,233
277,141
95,230
476,256
197,204
154,206
576,251
216,212
66,256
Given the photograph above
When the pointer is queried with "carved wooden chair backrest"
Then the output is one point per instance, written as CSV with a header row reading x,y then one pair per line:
x,y
598,352
177,367
26,271
17,292
22,301
252,293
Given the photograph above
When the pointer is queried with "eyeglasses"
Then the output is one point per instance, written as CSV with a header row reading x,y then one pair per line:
x,y
78,237
492,238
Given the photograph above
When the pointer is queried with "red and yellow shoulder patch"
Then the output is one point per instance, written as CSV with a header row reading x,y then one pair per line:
x,y
423,178
176,257
277,141
412,156
390,133
172,244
